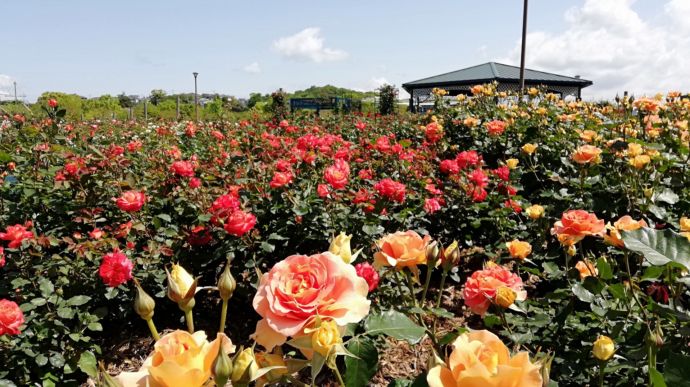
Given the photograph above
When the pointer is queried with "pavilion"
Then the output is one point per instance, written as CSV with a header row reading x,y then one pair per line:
x,y
507,77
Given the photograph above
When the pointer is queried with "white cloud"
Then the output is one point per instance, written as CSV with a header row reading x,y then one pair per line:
x,y
6,87
252,68
307,45
609,43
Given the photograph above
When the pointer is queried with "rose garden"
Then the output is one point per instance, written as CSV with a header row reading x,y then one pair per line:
x,y
495,241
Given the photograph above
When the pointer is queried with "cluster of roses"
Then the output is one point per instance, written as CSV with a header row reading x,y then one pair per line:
x,y
11,317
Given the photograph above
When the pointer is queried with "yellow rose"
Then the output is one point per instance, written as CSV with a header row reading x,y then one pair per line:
x,y
684,224
533,91
325,337
505,297
480,359
639,162
529,148
265,360
634,149
588,135
519,249
535,211
512,163
603,348
341,247
178,359
625,223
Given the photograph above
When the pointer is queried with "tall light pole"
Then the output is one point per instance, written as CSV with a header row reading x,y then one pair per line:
x,y
196,98
522,53
15,91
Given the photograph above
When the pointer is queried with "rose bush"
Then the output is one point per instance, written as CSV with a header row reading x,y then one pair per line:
x,y
492,172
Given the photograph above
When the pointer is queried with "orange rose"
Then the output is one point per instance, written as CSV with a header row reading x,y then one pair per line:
x,y
575,225
519,249
625,223
401,249
587,154
480,359
178,359
586,269
301,288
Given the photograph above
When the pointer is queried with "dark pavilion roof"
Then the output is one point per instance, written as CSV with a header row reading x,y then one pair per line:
x,y
492,71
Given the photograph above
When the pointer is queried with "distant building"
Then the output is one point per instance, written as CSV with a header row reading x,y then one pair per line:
x,y
507,77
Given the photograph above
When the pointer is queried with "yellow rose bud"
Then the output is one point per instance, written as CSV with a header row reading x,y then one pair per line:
x,y
512,163
143,303
181,287
648,193
572,250
519,249
535,211
505,297
244,367
603,348
226,283
221,368
325,337
432,253
451,256
529,148
684,224
341,247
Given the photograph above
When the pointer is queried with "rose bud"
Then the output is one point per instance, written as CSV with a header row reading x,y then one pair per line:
x,y
603,348
341,247
143,303
222,367
432,253
226,283
325,337
244,367
505,297
181,287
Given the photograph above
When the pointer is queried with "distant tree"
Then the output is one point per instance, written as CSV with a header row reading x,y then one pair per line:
x,y
157,96
125,101
255,98
278,106
388,95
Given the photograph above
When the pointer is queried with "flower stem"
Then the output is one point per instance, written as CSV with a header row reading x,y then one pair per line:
x,y
426,283
602,366
223,314
440,288
340,378
152,328
190,320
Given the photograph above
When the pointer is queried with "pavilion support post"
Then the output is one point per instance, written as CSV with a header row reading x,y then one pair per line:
x,y
411,101
522,52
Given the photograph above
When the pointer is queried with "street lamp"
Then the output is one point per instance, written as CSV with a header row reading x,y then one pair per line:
x,y
196,98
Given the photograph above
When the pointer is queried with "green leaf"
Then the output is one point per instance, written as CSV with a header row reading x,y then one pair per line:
x,y
666,196
359,370
46,287
41,360
267,247
57,360
165,217
87,363
65,313
372,229
78,300
394,324
604,269
676,370
658,247
94,326
657,378
582,294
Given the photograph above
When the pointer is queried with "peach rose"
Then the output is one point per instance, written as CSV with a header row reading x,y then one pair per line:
x,y
586,269
301,288
625,223
401,249
178,359
481,288
587,154
575,225
480,359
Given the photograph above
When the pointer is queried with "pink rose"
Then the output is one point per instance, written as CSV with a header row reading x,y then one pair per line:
x,y
300,288
131,201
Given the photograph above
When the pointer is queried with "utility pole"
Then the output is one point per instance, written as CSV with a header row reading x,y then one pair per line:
x,y
15,91
196,98
177,108
522,53
146,111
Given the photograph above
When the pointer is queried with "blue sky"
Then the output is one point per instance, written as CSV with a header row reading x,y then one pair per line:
x,y
98,47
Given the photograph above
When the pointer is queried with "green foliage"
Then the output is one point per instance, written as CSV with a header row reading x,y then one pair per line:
x,y
388,98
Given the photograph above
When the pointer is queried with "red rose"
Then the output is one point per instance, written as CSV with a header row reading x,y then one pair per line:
x,y
53,103
503,172
11,318
467,158
431,205
239,222
194,183
116,269
15,234
183,168
131,201
391,189
281,179
369,274
433,132
449,167
479,178
338,174
223,207
322,190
